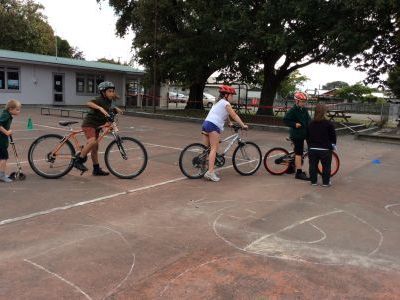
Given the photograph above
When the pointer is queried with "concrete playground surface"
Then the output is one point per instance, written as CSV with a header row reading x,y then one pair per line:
x,y
162,236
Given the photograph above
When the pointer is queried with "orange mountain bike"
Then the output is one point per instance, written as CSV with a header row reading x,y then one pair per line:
x,y
52,155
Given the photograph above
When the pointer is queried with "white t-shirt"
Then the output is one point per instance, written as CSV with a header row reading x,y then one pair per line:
x,y
218,113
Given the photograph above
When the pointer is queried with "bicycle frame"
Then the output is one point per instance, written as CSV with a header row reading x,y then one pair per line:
x,y
234,137
71,136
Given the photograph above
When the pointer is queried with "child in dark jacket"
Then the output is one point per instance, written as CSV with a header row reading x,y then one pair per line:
x,y
13,108
321,142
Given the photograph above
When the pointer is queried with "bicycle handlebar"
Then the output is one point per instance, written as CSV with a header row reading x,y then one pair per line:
x,y
111,117
237,127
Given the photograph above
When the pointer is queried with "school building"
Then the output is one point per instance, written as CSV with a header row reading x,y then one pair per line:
x,y
50,80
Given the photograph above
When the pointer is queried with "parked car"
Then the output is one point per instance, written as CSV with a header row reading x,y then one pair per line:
x,y
176,97
208,100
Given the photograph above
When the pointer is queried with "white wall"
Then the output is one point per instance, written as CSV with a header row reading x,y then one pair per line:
x,y
36,85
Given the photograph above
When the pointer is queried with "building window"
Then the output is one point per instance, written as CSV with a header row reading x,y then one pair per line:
x,y
99,79
90,85
9,79
2,79
87,83
80,83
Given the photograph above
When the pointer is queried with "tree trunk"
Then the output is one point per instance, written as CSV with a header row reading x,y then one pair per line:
x,y
196,95
268,92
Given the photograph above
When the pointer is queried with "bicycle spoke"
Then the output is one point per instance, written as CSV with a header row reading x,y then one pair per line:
x,y
247,158
126,158
193,161
46,163
277,161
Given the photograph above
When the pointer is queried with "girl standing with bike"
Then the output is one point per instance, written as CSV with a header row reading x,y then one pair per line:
x,y
213,125
321,142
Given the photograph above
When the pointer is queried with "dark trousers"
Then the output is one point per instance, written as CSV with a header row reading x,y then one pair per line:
x,y
323,156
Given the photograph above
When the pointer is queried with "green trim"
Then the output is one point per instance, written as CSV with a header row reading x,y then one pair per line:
x,y
14,56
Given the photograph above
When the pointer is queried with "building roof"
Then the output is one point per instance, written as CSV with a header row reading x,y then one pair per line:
x,y
31,58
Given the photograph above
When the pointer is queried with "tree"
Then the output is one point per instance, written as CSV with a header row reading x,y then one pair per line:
x,y
186,43
292,83
355,92
334,85
279,37
63,48
384,55
112,61
78,54
24,28
394,81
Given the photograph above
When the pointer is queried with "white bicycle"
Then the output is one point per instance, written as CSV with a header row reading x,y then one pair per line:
x,y
246,158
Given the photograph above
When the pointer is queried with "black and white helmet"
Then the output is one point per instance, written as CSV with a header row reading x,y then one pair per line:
x,y
105,85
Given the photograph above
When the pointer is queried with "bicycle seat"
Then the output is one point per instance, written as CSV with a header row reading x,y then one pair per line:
x,y
67,123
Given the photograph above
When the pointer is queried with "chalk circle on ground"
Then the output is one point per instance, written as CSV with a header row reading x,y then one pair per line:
x,y
334,237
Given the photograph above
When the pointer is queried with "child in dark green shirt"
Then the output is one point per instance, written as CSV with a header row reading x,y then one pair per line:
x,y
13,108
297,119
97,116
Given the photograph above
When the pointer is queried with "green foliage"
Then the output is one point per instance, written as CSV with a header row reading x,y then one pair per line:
x,y
78,54
187,41
356,92
63,48
24,27
298,33
384,55
112,61
334,85
394,81
292,83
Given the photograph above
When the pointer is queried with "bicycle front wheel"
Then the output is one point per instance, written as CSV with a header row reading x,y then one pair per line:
x,y
335,164
126,157
193,161
277,161
49,158
247,158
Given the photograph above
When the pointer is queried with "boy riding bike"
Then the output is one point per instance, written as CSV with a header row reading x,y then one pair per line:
x,y
97,116
298,119
213,125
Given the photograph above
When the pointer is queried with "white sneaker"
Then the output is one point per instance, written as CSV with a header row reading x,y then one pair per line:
x,y
5,179
211,176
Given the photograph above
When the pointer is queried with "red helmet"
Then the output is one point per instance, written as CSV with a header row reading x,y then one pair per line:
x,y
300,96
226,89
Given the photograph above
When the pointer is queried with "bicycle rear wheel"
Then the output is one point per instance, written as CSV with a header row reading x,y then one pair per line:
x,y
48,158
247,158
335,164
193,161
277,161
126,157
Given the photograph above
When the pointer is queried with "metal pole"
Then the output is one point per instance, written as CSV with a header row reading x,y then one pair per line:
x,y
155,55
56,46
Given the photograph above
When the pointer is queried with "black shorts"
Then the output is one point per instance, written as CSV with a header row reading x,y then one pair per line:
x,y
3,153
298,146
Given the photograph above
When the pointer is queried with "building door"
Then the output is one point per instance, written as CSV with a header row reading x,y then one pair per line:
x,y
58,88
132,92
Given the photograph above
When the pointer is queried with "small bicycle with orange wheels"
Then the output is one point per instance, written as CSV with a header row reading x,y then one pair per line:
x,y
279,161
